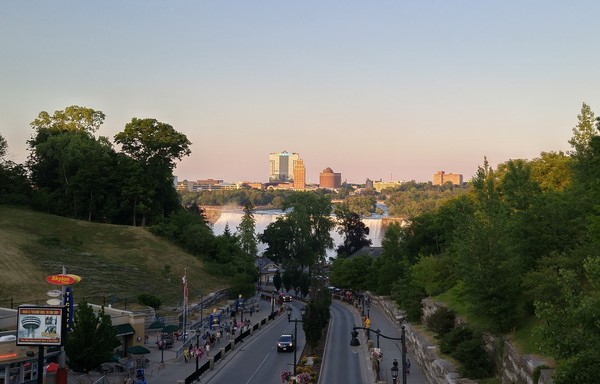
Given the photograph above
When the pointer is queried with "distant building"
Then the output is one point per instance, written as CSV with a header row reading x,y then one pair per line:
x,y
381,185
330,179
441,178
299,175
205,185
281,166
369,183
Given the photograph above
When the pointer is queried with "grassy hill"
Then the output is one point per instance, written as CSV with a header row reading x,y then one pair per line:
x,y
116,263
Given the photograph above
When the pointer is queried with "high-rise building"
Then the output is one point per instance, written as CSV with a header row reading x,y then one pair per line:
x,y
441,178
330,179
281,166
299,175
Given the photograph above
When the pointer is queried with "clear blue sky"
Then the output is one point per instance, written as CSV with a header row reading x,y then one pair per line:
x,y
373,89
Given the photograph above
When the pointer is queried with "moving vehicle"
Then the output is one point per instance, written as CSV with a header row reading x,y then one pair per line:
x,y
287,298
285,343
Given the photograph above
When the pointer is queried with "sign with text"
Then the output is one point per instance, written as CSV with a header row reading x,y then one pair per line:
x,y
40,325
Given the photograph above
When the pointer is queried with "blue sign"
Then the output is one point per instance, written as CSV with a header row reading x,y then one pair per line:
x,y
68,302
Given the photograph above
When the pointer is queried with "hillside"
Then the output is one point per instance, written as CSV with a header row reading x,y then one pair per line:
x,y
116,263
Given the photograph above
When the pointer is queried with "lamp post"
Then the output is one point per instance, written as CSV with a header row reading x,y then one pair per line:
x,y
295,321
395,371
355,343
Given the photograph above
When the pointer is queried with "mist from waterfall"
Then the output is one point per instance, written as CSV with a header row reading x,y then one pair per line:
x,y
265,217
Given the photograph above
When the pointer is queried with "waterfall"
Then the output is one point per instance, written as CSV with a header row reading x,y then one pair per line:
x,y
265,217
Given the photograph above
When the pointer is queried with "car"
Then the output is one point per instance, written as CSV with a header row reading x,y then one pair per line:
x,y
285,343
287,298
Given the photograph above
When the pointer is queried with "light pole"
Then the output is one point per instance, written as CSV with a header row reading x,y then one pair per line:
x,y
355,343
295,321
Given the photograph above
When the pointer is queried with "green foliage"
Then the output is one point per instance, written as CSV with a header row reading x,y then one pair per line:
x,y
92,340
300,239
149,300
353,229
246,230
467,346
441,322
317,317
277,280
351,273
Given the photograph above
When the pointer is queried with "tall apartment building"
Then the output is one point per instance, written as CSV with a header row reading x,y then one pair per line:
x,y
299,175
281,166
330,179
441,177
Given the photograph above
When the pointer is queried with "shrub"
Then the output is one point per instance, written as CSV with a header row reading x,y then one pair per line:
x,y
475,362
452,339
441,322
149,300
467,346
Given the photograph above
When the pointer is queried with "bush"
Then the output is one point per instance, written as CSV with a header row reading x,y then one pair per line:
x,y
467,346
476,363
149,300
441,322
452,339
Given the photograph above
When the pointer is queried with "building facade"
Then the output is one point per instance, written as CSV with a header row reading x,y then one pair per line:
x,y
281,166
330,179
299,175
441,178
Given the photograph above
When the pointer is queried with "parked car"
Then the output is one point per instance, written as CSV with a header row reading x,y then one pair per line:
x,y
285,343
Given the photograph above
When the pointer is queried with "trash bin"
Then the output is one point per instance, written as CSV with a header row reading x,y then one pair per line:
x,y
139,372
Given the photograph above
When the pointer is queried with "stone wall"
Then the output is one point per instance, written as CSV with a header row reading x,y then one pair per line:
x,y
515,368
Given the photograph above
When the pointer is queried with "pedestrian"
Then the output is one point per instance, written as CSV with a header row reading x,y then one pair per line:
x,y
186,354
128,380
407,366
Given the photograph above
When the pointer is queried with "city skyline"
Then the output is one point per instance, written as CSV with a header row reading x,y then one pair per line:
x,y
388,90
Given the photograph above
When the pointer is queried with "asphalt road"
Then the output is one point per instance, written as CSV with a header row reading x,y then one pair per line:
x,y
256,360
340,364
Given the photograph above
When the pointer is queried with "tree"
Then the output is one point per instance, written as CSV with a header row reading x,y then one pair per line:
x,y
583,132
14,185
353,229
247,230
155,146
277,280
92,340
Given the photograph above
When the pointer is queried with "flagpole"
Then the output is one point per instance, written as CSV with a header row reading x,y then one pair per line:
x,y
185,304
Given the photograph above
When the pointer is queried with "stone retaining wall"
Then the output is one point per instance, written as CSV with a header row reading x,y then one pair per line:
x,y
515,369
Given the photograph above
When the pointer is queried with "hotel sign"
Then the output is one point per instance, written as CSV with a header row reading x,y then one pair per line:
x,y
40,325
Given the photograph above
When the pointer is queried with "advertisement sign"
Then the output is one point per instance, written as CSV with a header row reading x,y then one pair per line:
x,y
40,325
68,302
62,279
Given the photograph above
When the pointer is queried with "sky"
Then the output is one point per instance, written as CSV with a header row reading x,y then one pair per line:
x,y
390,90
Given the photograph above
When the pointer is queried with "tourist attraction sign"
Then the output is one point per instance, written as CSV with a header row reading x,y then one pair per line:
x,y
63,279
40,325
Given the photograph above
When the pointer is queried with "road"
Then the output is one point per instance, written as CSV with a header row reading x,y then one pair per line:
x,y
340,364
256,360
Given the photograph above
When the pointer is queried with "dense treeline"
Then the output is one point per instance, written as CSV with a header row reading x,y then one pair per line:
x,y
407,200
71,172
521,244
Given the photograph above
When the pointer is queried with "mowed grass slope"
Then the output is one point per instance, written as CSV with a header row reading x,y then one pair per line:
x,y
115,262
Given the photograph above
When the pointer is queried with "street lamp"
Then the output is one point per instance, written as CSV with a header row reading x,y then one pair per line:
x,y
355,343
295,321
395,371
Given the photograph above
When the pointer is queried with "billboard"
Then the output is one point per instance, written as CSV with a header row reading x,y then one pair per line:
x,y
40,325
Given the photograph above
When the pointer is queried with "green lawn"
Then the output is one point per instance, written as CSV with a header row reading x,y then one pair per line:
x,y
116,263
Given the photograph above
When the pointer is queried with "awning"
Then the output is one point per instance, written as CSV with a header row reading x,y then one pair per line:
x,y
124,329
